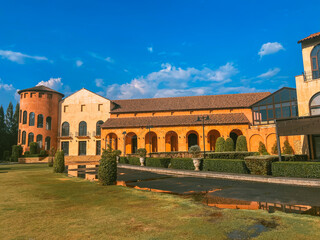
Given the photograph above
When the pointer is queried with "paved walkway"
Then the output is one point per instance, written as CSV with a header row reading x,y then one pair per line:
x,y
310,182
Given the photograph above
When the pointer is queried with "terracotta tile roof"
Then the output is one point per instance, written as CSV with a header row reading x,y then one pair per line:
x,y
40,88
186,120
243,100
310,37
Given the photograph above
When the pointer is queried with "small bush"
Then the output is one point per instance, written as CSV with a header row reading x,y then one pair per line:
x,y
296,169
195,151
260,165
231,155
241,144
33,148
58,164
182,163
6,155
123,160
274,149
220,144
43,153
225,165
158,162
142,152
229,145
262,149
107,173
15,153
287,149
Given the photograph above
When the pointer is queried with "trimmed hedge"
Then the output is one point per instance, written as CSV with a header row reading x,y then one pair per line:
x,y
260,165
107,172
34,148
130,160
158,162
220,144
241,144
231,155
225,165
58,164
295,158
182,163
123,160
229,145
296,169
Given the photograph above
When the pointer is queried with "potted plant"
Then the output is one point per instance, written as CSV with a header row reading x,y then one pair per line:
x,y
117,153
195,153
142,152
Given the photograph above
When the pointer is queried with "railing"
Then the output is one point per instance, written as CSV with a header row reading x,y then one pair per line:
x,y
83,135
94,133
70,135
311,75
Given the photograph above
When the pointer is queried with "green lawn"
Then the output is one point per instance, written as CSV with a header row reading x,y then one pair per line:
x,y
38,204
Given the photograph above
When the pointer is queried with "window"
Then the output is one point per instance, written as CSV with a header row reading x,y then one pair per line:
x,y
98,128
65,148
100,107
31,119
31,94
315,104
65,129
39,140
40,95
25,95
82,128
40,121
83,108
98,147
315,62
65,108
48,123
23,138
30,138
82,148
47,143
25,116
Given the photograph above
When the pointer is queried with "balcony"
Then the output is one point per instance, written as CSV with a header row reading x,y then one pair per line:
x,y
65,136
94,134
311,75
85,135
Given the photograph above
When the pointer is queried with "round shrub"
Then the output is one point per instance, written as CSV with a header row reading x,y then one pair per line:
x,y
195,151
220,144
15,153
287,149
241,144
229,145
107,172
33,148
262,149
58,164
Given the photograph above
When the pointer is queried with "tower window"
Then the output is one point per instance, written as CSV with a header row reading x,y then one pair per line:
x,y
31,119
315,62
40,121
25,116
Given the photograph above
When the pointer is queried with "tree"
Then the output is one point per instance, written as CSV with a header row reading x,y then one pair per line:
x,y
58,165
15,124
229,145
262,149
107,172
241,145
287,149
9,118
2,132
220,144
274,149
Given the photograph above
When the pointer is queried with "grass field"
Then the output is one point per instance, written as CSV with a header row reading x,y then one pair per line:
x,y
38,204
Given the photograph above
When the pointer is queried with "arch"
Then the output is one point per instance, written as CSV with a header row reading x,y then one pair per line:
x,y
65,129
112,140
39,140
131,143
31,119
192,139
47,143
151,142
315,61
98,127
40,121
48,123
30,138
23,138
212,138
25,117
234,134
271,139
171,139
254,142
314,104
82,128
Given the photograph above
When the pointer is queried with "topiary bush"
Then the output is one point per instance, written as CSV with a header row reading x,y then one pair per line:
x,y
158,162
107,172
241,144
195,151
182,163
229,145
15,153
33,148
231,155
260,165
58,164
262,149
220,144
274,149
296,169
287,149
225,165
123,160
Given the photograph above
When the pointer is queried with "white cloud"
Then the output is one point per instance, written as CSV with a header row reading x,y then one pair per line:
x,y
6,87
54,83
19,57
99,82
10,89
270,73
109,59
150,49
79,63
171,81
106,59
270,48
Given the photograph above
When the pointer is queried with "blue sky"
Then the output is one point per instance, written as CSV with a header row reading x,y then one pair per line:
x,y
138,49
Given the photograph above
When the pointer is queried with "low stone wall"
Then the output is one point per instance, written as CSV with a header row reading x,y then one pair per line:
x,y
92,159
34,160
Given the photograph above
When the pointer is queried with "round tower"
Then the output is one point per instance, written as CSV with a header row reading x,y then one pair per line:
x,y
38,118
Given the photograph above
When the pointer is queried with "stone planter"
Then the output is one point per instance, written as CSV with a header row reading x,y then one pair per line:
x,y
196,163
142,159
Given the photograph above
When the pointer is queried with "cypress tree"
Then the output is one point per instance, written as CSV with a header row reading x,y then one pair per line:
x,y
15,125
229,145
220,144
2,132
9,118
